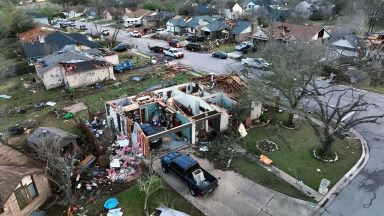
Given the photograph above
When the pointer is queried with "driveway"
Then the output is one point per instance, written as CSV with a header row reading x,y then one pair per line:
x,y
237,196
199,61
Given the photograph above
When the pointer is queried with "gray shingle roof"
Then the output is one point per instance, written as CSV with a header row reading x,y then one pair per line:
x,y
179,21
346,35
51,134
82,39
216,26
240,26
39,50
50,61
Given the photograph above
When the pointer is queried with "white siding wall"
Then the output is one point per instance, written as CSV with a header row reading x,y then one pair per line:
x,y
53,78
90,77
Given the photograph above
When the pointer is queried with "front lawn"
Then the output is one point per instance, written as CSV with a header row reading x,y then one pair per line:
x,y
132,202
136,59
227,48
294,153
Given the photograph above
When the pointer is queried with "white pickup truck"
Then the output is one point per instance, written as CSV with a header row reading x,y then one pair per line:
x,y
175,53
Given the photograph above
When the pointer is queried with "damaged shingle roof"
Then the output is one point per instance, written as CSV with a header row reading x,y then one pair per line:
x,y
178,21
216,25
53,135
13,167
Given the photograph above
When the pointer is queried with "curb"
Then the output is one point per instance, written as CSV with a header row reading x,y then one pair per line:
x,y
348,177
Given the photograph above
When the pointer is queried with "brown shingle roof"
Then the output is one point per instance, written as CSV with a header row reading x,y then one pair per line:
x,y
282,30
13,167
138,13
35,34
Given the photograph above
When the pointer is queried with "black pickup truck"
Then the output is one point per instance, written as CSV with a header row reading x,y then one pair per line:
x,y
199,181
157,49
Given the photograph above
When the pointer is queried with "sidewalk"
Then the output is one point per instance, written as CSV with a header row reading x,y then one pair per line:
x,y
283,175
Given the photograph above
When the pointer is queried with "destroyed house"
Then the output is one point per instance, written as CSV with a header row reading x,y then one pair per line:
x,y
171,117
23,185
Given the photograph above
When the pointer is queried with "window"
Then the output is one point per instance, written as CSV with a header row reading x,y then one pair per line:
x,y
26,192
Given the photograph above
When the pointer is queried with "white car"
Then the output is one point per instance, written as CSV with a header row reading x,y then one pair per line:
x,y
135,34
175,53
244,45
256,63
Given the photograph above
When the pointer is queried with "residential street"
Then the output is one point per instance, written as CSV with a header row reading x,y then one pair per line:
x,y
364,195
199,61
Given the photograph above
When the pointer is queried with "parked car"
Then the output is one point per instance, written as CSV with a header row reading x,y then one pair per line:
x,y
244,45
121,48
199,181
256,62
157,49
160,30
220,55
175,53
105,32
194,38
83,27
56,25
135,34
193,47
175,43
124,66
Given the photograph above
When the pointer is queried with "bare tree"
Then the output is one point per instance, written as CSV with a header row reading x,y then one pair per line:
x,y
292,68
374,10
339,110
59,168
149,184
99,5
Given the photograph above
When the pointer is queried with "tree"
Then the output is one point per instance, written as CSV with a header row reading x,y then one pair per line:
x,y
14,21
293,67
374,9
149,185
339,110
59,169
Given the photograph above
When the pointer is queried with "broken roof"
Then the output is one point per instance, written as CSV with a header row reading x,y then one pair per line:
x,y
55,42
80,66
282,30
53,135
351,37
216,25
230,84
13,167
35,34
50,61
138,13
178,21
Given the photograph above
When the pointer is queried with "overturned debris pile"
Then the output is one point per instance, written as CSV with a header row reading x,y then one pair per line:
x,y
230,84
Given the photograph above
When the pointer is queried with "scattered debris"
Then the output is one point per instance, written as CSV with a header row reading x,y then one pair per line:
x,y
135,78
50,103
5,96
111,203
318,170
324,184
264,159
68,115
163,211
204,149
243,132
75,108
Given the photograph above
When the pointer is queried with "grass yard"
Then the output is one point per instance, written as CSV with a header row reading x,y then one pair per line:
x,y
132,202
92,97
137,60
228,47
259,175
294,153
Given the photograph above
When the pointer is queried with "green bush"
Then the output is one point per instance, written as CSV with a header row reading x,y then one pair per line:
x,y
317,16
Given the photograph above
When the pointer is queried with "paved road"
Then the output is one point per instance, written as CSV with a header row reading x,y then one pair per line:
x,y
199,61
364,195
237,196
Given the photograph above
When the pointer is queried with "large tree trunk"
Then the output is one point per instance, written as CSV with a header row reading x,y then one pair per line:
x,y
327,144
145,206
290,122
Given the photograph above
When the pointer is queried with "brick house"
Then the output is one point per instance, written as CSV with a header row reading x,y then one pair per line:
x,y
23,186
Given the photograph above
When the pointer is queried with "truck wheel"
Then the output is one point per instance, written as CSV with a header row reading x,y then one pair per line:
x,y
193,192
164,168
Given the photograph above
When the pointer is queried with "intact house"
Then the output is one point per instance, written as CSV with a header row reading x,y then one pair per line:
x,y
288,32
73,69
23,185
56,41
233,10
307,8
135,17
73,12
346,45
62,140
157,19
216,29
177,24
178,115
241,30
38,18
